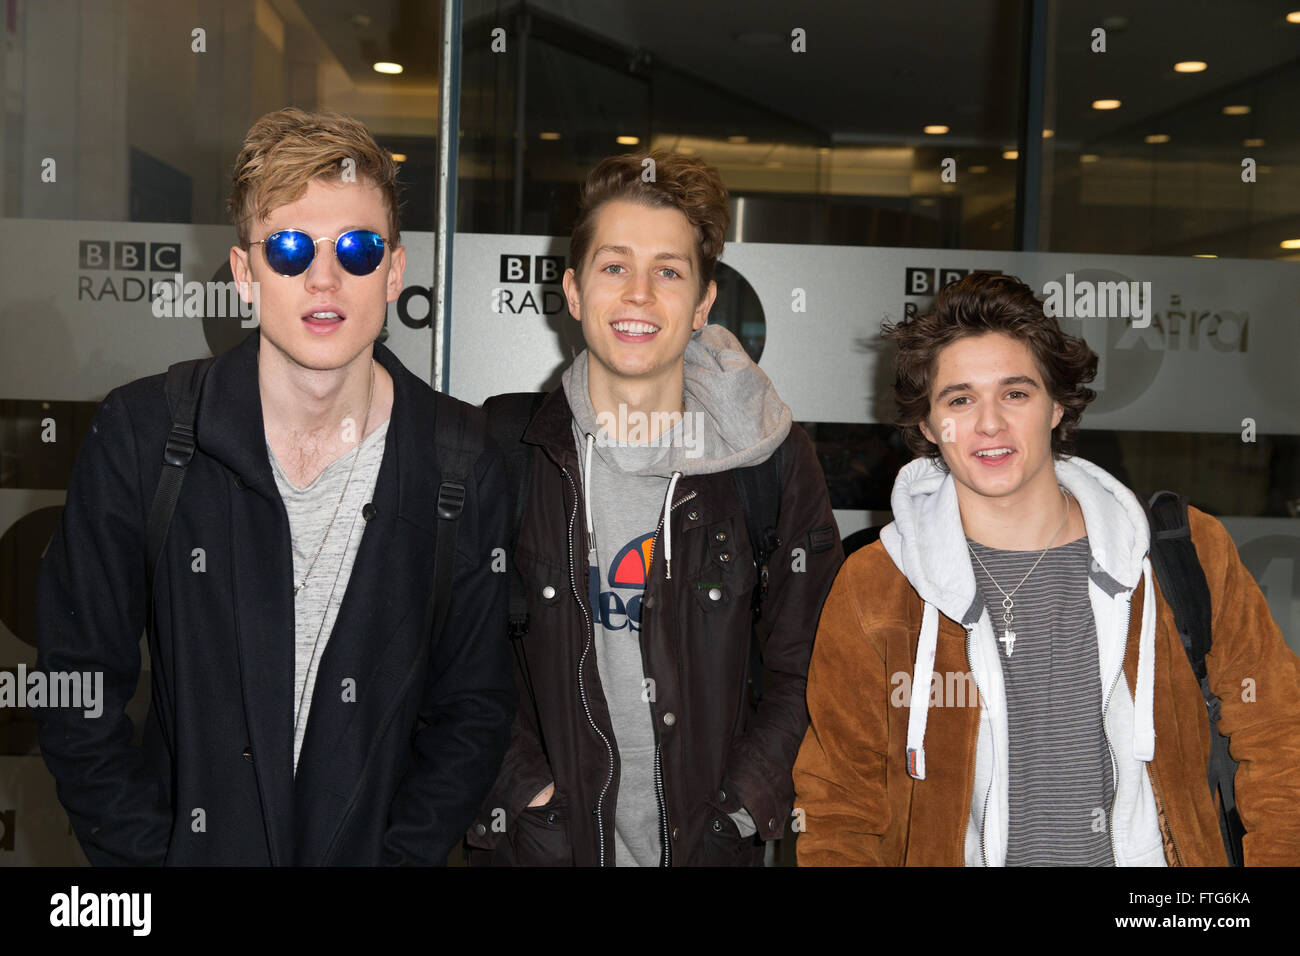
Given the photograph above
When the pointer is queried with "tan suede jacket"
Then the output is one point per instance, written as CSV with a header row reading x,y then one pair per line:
x,y
860,806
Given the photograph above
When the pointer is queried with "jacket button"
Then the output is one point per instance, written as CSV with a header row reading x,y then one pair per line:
x,y
715,594
649,601
248,754
550,817
368,510
480,829
771,824
693,515
724,556
674,833
239,482
670,719
548,592
717,826
720,537
722,796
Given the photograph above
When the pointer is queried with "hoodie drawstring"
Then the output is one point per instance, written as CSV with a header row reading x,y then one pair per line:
x,y
668,526
922,677
1144,728
586,479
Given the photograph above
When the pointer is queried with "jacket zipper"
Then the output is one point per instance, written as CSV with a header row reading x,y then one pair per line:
x,y
582,691
666,859
984,848
1105,707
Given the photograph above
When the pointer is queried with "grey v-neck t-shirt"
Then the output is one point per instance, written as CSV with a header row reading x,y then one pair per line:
x,y
1061,787
316,606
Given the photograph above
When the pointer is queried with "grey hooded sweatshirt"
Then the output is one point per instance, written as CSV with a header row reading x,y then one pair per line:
x,y
733,419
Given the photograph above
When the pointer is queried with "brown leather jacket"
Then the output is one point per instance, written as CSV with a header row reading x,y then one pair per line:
x,y
863,808
717,752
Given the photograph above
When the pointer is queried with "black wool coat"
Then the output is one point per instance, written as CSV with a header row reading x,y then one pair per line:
x,y
391,770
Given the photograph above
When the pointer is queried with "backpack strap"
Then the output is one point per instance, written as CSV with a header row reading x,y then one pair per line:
x,y
183,386
759,488
1182,579
508,417
459,436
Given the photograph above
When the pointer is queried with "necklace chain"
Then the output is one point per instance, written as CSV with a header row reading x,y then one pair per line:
x,y
360,438
1009,636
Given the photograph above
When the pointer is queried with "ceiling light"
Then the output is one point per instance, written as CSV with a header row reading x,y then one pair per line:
x,y
1293,16
1239,110
1254,141
1048,133
979,169
937,130
385,67
1291,243
1011,154
548,137
1088,157
1154,138
738,140
398,157
1205,255
1189,66
627,140
1105,104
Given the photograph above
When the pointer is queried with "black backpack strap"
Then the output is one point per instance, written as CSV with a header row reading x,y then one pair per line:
x,y
1178,569
759,488
459,435
183,386
508,417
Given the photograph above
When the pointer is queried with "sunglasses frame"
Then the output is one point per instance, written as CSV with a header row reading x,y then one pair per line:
x,y
314,244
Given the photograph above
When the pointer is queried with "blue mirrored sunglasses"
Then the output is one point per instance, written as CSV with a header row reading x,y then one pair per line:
x,y
290,251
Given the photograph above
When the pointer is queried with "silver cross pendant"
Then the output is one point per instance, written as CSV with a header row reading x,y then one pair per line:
x,y
1008,638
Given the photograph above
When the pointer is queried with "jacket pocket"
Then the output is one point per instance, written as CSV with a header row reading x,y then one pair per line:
x,y
541,835
722,845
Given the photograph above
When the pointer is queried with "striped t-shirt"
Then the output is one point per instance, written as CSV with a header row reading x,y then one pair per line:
x,y
1060,788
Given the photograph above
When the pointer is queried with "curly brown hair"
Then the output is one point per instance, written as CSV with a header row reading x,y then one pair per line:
x,y
287,149
977,304
675,181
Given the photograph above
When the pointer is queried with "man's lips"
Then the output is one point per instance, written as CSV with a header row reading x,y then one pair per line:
x,y
993,461
634,330
323,319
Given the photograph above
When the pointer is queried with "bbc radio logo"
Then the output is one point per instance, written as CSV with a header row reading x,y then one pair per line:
x,y
927,282
97,256
130,256
538,270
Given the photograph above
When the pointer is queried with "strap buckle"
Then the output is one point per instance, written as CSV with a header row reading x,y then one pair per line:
x,y
180,445
451,500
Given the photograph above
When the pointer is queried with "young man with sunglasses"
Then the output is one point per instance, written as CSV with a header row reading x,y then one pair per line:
x,y
638,741
302,710
999,680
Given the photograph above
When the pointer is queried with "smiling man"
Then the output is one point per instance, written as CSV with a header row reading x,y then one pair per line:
x,y
637,742
998,681
307,706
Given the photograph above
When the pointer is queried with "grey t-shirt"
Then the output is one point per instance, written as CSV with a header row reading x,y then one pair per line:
x,y
317,605
1061,787
625,512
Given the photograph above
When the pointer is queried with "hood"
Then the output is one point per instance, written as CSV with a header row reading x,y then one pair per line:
x,y
927,543
734,418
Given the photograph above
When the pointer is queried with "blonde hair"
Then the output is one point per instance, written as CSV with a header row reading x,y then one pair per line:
x,y
287,149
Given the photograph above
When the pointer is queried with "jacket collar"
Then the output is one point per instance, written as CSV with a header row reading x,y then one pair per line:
x,y
231,428
552,429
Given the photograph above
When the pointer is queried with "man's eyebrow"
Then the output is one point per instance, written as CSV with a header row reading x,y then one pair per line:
x,y
1009,380
625,251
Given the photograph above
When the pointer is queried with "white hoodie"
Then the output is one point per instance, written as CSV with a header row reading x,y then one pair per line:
x,y
928,544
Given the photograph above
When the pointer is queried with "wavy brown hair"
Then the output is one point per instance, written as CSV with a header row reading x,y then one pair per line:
x,y
977,304
679,182
287,149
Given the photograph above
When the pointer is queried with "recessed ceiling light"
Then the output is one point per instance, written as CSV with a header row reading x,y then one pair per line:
x,y
1205,255
1105,104
1291,243
1293,16
979,169
398,157
627,140
549,137
1238,110
1011,154
936,130
1048,133
1253,141
1190,66
1154,138
738,140
386,67
1088,157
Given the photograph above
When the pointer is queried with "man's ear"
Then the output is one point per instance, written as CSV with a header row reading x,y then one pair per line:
x,y
1058,412
395,270
572,293
706,303
242,271
925,430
